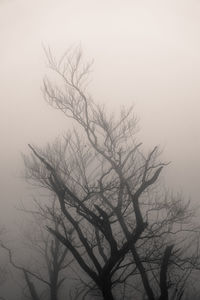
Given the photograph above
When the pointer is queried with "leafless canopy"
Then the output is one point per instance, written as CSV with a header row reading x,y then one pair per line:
x,y
107,187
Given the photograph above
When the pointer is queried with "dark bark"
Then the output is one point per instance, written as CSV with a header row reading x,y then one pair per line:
x,y
53,285
53,292
31,287
107,290
143,274
163,273
107,295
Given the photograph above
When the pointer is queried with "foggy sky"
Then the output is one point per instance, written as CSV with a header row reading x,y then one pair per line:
x,y
146,53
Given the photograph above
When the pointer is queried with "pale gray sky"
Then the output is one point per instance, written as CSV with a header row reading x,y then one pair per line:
x,y
146,52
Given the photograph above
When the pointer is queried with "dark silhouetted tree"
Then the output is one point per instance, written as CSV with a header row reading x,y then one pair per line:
x,y
125,227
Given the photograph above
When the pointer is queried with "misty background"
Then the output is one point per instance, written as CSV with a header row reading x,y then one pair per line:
x,y
145,53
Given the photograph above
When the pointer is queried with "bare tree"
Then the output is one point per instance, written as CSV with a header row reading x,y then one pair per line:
x,y
47,250
3,265
106,186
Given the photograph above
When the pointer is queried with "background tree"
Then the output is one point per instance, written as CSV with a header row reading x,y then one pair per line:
x,y
43,275
107,188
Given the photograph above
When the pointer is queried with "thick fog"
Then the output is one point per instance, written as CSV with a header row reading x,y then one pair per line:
x,y
145,53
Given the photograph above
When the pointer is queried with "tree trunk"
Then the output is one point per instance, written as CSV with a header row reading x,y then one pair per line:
x,y
107,294
163,273
143,274
53,293
106,288
31,287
